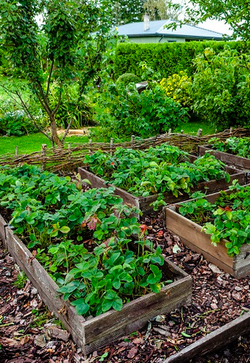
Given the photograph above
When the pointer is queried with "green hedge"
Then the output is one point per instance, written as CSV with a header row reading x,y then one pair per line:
x,y
166,58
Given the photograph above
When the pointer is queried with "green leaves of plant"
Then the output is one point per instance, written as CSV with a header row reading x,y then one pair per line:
x,y
155,276
81,307
229,217
111,300
85,239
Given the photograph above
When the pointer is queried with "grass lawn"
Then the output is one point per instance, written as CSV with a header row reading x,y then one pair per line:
x,y
30,143
192,128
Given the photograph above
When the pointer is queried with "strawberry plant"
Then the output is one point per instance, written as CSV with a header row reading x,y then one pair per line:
x,y
227,218
233,145
155,171
84,240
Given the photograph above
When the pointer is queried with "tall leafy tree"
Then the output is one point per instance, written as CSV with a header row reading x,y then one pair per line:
x,y
162,9
128,11
66,49
236,13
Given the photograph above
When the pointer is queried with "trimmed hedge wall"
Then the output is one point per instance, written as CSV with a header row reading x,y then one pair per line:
x,y
167,58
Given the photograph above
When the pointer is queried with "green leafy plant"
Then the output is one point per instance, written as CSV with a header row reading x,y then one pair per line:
x,y
178,87
220,87
20,280
16,123
128,78
233,145
227,218
84,240
157,170
123,109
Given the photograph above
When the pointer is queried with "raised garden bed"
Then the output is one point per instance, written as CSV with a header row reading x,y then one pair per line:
x,y
191,234
144,203
213,341
227,158
93,333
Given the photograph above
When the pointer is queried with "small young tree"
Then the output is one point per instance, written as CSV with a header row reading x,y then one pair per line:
x,y
67,48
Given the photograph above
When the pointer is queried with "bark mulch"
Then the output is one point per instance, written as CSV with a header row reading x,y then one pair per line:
x,y
30,333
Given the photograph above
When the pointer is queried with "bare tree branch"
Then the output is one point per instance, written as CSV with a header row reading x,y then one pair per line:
x,y
26,109
67,130
58,104
49,79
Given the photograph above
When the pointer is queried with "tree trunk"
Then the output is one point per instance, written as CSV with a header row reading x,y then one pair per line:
x,y
54,135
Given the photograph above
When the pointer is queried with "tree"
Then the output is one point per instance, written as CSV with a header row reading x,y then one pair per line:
x,y
128,11
236,13
66,49
162,9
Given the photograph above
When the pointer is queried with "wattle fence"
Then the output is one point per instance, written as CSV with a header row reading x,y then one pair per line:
x,y
66,160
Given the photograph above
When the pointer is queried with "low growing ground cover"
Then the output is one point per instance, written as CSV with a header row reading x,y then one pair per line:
x,y
83,239
232,145
164,168
227,218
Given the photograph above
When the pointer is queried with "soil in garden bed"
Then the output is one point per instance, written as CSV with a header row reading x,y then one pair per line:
x,y
217,299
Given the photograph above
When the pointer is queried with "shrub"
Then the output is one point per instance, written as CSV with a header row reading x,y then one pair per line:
x,y
221,87
127,78
16,123
169,58
72,107
126,112
178,87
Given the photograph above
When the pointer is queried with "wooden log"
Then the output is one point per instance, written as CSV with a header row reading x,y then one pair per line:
x,y
93,333
213,341
229,159
111,146
132,141
43,153
199,133
191,235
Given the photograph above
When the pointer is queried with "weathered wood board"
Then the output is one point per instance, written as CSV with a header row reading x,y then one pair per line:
x,y
93,333
197,240
3,226
213,341
144,203
229,159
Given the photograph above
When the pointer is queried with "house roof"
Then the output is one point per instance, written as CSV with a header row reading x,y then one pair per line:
x,y
156,28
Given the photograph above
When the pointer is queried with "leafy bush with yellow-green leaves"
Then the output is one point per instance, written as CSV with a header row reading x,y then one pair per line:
x,y
178,87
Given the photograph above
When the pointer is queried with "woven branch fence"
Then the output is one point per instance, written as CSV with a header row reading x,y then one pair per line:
x,y
67,160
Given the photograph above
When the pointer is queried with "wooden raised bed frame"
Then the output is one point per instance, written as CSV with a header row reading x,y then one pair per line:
x,y
191,234
92,333
144,203
227,158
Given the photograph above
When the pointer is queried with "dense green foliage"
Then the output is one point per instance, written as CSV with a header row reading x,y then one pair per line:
x,y
232,145
178,87
83,239
227,218
156,170
221,87
124,111
16,123
234,13
167,58
127,78
127,11
67,49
